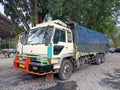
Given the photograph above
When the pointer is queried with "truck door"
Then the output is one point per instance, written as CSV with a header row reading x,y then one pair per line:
x,y
59,40
69,42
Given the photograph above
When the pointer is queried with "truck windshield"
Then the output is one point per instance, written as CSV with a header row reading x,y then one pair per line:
x,y
40,35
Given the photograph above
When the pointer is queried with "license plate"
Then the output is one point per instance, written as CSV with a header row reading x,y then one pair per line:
x,y
35,68
22,66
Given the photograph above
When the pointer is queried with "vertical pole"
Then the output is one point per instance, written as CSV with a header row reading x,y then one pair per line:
x,y
8,42
0,44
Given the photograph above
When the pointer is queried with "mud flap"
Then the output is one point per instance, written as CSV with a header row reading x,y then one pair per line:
x,y
50,77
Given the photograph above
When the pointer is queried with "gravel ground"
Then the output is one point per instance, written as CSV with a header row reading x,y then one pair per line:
x,y
91,77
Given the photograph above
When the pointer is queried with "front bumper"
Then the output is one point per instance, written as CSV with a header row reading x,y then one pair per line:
x,y
32,68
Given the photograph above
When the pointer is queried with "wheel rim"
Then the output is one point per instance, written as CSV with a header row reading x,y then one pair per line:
x,y
67,71
103,59
99,60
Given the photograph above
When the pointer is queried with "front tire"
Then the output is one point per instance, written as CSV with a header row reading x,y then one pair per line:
x,y
65,70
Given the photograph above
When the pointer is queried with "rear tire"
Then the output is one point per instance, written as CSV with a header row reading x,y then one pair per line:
x,y
102,58
98,59
65,70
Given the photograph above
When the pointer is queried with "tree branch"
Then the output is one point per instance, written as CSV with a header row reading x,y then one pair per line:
x,y
19,14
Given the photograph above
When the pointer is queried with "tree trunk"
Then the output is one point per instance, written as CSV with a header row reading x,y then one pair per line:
x,y
36,12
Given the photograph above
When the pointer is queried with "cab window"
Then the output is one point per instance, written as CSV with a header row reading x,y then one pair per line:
x,y
59,36
69,37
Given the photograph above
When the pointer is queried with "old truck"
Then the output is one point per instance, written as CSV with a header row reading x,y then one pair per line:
x,y
56,47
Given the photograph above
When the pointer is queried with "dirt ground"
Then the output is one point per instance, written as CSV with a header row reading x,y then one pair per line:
x,y
105,76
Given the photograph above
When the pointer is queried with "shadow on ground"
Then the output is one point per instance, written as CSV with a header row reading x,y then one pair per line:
x,y
112,80
69,85
13,78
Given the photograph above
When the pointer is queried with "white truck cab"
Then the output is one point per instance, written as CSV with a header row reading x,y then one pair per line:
x,y
50,40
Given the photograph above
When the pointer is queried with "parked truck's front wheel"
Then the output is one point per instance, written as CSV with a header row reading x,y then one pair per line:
x,y
65,70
